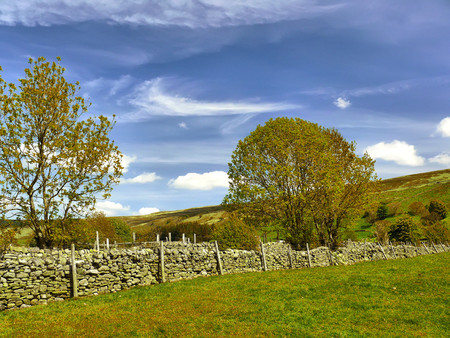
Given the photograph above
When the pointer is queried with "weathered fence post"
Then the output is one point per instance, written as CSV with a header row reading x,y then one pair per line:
x,y
134,238
290,256
107,244
170,237
195,239
435,249
392,249
423,243
157,238
382,250
309,255
161,262
263,256
184,239
97,241
331,255
364,249
219,262
74,274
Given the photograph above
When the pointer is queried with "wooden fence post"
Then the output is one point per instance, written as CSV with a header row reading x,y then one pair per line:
x,y
161,262
290,256
170,237
184,239
74,274
435,249
157,238
107,244
134,238
423,243
263,256
97,241
382,250
219,262
392,249
195,239
309,256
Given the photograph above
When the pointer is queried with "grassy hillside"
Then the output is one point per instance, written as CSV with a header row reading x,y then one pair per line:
x,y
398,298
401,190
419,187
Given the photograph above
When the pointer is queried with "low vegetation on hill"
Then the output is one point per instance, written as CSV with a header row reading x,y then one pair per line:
x,y
397,298
402,197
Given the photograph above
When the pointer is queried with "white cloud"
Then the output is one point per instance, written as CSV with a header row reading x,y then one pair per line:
x,y
443,158
183,125
444,127
206,181
151,98
126,161
398,151
342,103
143,178
194,14
147,211
111,208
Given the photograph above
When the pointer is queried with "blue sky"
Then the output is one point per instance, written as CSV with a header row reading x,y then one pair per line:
x,y
187,79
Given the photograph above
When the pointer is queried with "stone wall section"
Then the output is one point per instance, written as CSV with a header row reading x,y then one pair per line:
x,y
30,276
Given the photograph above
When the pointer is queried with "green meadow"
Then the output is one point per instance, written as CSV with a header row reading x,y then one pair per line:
x,y
398,298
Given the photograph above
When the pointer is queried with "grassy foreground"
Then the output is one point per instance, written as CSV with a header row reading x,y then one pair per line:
x,y
408,297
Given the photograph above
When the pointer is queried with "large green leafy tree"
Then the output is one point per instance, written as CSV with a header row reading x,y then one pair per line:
x,y
54,160
299,175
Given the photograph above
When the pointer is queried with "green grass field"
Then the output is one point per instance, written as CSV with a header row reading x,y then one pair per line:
x,y
399,298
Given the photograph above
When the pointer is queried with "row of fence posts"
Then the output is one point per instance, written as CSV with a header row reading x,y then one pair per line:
x,y
219,260
184,239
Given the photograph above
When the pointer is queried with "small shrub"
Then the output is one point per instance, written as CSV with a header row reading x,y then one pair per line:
x,y
403,230
7,237
438,232
438,208
417,209
395,208
382,212
235,234
382,231
122,229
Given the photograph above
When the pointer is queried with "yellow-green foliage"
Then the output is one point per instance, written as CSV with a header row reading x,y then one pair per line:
x,y
291,171
7,237
54,162
236,234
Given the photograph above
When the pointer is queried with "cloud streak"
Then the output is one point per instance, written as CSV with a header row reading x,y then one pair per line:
x,y
141,179
192,14
153,98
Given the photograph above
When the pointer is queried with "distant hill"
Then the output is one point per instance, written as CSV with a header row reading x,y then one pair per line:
x,y
404,190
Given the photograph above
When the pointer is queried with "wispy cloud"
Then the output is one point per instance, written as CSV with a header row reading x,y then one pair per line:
x,y
141,179
443,158
193,14
110,86
206,181
398,151
153,98
389,88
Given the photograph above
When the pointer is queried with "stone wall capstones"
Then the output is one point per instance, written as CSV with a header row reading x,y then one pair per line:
x,y
30,276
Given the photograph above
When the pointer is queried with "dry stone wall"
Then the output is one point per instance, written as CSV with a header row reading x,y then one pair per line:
x,y
30,276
